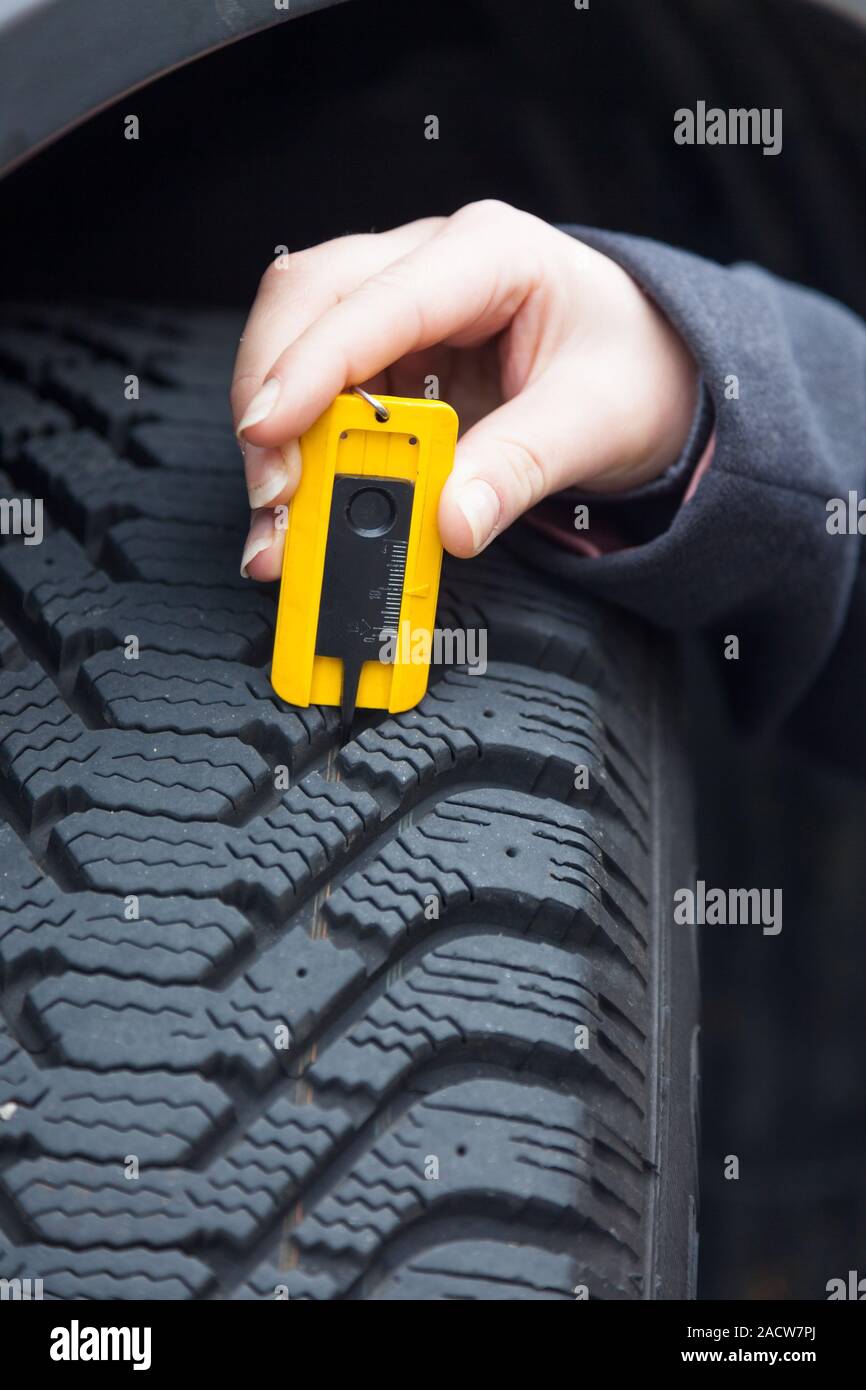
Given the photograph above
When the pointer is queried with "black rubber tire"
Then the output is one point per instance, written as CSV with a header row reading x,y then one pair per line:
x,y
153,1044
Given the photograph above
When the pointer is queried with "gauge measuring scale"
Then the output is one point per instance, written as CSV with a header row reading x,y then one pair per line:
x,y
363,557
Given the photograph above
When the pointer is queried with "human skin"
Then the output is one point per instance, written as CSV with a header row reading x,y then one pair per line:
x,y
562,371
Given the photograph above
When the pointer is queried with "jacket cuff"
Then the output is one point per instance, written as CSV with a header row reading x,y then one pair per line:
x,y
620,520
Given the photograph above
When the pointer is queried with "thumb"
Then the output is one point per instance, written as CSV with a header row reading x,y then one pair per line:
x,y
508,462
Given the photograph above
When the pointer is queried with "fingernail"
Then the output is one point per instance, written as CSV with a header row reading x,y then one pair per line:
x,y
480,505
266,475
261,405
261,536
271,472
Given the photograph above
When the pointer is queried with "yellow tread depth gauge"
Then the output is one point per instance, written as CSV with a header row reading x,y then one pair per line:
x,y
362,558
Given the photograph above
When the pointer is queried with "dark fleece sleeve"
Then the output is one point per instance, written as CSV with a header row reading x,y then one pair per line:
x,y
750,553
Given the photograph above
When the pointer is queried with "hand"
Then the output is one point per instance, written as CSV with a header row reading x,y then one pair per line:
x,y
561,369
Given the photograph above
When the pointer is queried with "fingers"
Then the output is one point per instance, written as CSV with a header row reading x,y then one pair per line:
x,y
263,552
289,299
295,290
272,474
460,285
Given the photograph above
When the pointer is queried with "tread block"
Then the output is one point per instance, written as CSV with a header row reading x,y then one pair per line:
x,y
492,850
27,354
95,393
545,627
83,481
190,696
108,1275
267,862
157,1117
204,369
132,333
25,416
169,941
95,1021
499,1147
11,654
520,1004
536,731
170,552
84,1203
194,778
486,1270
185,449
75,609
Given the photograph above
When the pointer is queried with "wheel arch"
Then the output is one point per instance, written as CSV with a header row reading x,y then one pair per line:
x,y
96,51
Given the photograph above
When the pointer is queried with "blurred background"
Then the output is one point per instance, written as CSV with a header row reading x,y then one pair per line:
x,y
316,128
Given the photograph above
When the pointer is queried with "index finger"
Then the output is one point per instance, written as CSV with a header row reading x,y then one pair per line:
x,y
459,287
293,295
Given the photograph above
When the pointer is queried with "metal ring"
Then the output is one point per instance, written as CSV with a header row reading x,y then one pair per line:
x,y
382,411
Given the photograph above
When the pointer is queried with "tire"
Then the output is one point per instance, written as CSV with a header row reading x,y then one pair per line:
x,y
434,1128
